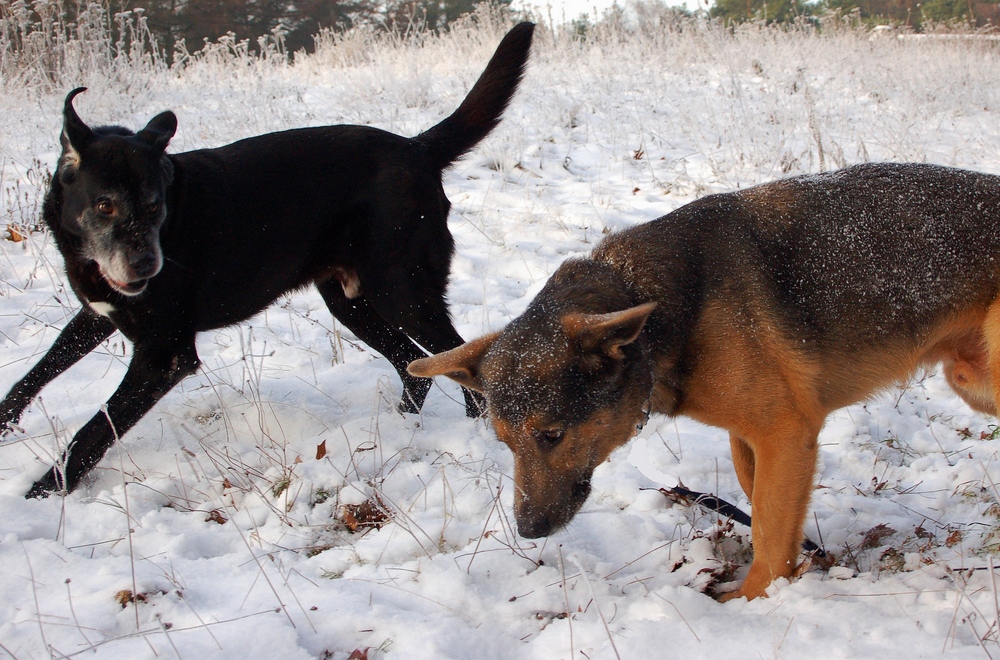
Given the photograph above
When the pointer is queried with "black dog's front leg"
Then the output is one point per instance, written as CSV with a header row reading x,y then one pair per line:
x,y
154,370
82,334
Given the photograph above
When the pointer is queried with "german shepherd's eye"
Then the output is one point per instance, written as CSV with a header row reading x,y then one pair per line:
x,y
105,206
548,438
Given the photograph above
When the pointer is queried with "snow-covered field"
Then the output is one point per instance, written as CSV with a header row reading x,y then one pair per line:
x,y
233,536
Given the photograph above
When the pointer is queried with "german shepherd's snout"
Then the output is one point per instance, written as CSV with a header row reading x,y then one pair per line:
x,y
760,312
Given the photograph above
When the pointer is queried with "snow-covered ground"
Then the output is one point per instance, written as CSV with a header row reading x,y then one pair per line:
x,y
235,531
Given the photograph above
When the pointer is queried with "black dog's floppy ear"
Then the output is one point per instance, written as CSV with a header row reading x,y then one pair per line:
x,y
159,130
607,333
460,364
76,135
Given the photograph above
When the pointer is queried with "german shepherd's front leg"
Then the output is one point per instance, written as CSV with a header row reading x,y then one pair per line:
x,y
82,334
783,461
154,370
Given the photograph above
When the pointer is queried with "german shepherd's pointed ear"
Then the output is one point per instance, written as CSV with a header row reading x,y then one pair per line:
x,y
76,135
159,130
460,364
606,333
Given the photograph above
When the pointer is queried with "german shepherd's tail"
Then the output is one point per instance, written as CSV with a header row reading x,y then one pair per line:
x,y
481,110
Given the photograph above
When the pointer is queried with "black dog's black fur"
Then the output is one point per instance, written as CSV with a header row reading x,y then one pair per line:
x,y
163,246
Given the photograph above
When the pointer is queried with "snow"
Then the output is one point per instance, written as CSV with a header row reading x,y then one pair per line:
x,y
602,135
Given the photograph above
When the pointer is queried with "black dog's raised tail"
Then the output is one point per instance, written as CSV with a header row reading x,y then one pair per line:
x,y
482,109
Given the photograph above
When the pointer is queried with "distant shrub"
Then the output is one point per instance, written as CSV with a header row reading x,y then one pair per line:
x,y
46,43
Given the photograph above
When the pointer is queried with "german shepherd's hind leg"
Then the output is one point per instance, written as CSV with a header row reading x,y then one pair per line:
x,y
82,334
743,462
358,316
988,382
154,370
784,462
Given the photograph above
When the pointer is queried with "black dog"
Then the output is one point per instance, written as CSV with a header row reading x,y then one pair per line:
x,y
163,246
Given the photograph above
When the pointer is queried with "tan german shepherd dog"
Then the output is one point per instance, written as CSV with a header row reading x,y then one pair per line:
x,y
760,312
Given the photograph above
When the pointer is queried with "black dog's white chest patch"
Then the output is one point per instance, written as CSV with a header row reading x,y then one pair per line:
x,y
102,308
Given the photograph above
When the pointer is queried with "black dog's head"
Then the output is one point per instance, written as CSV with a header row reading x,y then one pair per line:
x,y
114,186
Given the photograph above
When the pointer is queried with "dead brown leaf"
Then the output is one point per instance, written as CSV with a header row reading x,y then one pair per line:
x,y
873,537
125,596
15,233
370,514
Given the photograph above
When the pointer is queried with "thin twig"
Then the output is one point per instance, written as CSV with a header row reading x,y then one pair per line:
x,y
597,605
569,614
69,599
34,593
482,535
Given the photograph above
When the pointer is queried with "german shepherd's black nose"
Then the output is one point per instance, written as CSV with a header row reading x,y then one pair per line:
x,y
535,528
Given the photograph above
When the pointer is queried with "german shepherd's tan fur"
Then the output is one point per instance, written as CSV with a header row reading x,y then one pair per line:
x,y
759,311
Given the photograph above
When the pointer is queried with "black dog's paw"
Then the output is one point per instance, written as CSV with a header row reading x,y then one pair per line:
x,y
406,406
44,487
414,393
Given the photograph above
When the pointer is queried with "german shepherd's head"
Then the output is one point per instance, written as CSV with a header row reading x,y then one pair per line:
x,y
111,187
565,388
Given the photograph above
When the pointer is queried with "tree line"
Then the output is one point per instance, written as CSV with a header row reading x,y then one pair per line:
x,y
913,13
294,23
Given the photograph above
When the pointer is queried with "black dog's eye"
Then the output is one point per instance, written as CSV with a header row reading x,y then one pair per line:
x,y
153,207
549,438
105,206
